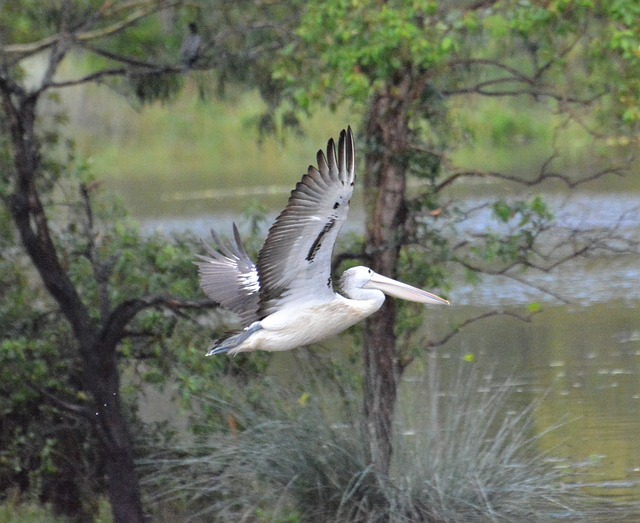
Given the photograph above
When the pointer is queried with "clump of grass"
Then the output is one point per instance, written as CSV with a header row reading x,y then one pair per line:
x,y
14,509
277,467
472,460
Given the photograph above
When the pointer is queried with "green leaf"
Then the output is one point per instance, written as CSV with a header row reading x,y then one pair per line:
x,y
534,308
502,211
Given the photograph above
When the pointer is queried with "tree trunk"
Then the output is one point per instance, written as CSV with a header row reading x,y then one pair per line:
x,y
385,184
102,379
101,373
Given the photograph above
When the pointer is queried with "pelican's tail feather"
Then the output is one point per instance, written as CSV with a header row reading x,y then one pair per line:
x,y
232,343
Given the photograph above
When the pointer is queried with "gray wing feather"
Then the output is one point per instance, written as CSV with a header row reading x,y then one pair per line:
x,y
230,278
295,261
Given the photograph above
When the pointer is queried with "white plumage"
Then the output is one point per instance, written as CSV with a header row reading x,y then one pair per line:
x,y
287,300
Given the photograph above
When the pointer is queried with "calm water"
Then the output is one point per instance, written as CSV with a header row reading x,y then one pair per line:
x,y
580,356
583,365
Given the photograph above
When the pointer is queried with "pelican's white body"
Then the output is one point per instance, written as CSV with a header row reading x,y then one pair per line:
x,y
309,322
287,299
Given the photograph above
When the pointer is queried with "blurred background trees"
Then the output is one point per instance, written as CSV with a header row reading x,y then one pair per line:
x,y
87,295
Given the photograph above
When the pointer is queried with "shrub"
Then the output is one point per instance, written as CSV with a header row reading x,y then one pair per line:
x,y
470,459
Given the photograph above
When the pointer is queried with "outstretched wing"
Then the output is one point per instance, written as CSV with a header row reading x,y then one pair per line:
x,y
230,278
295,261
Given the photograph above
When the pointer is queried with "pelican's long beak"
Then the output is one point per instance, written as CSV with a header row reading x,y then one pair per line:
x,y
401,290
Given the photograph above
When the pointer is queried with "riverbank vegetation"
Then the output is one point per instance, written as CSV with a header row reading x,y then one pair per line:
x,y
188,134
304,457
94,312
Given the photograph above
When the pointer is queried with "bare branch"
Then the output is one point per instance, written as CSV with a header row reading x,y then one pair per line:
x,y
481,89
459,327
514,74
407,359
30,48
516,77
141,9
101,269
116,72
508,272
63,405
114,328
543,175
58,51
120,58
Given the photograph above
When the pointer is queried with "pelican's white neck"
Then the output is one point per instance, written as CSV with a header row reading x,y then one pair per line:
x,y
358,293
353,283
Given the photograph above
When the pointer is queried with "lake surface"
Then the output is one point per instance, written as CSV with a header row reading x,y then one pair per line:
x,y
579,357
581,364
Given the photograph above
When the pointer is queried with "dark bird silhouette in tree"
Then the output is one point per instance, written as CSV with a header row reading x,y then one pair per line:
x,y
190,50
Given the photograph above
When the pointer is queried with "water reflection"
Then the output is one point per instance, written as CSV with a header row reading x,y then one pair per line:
x,y
582,364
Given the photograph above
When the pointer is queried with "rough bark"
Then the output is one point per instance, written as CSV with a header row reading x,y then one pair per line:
x,y
112,426
385,184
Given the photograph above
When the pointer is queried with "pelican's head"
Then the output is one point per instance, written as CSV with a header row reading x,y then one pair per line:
x,y
364,278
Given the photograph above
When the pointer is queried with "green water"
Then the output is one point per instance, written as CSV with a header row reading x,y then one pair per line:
x,y
582,367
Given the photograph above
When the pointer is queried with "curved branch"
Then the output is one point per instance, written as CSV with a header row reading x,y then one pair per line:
x,y
31,48
120,58
543,176
493,63
127,21
406,360
458,328
121,71
63,405
114,328
142,9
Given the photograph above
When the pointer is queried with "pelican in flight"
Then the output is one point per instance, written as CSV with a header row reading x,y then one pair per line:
x,y
287,300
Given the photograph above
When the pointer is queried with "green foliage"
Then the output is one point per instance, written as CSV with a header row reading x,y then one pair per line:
x,y
31,20
358,48
15,511
512,241
568,56
40,451
45,449
624,39
570,53
606,62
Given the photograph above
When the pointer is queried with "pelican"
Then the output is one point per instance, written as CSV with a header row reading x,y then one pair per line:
x,y
287,300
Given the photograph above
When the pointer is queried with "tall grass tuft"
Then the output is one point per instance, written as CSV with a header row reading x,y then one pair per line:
x,y
473,458
468,459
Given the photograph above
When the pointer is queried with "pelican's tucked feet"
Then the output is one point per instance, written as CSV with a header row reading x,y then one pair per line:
x,y
234,341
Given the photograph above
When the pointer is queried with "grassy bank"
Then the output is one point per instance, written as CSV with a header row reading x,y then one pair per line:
x,y
192,156
191,138
15,509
